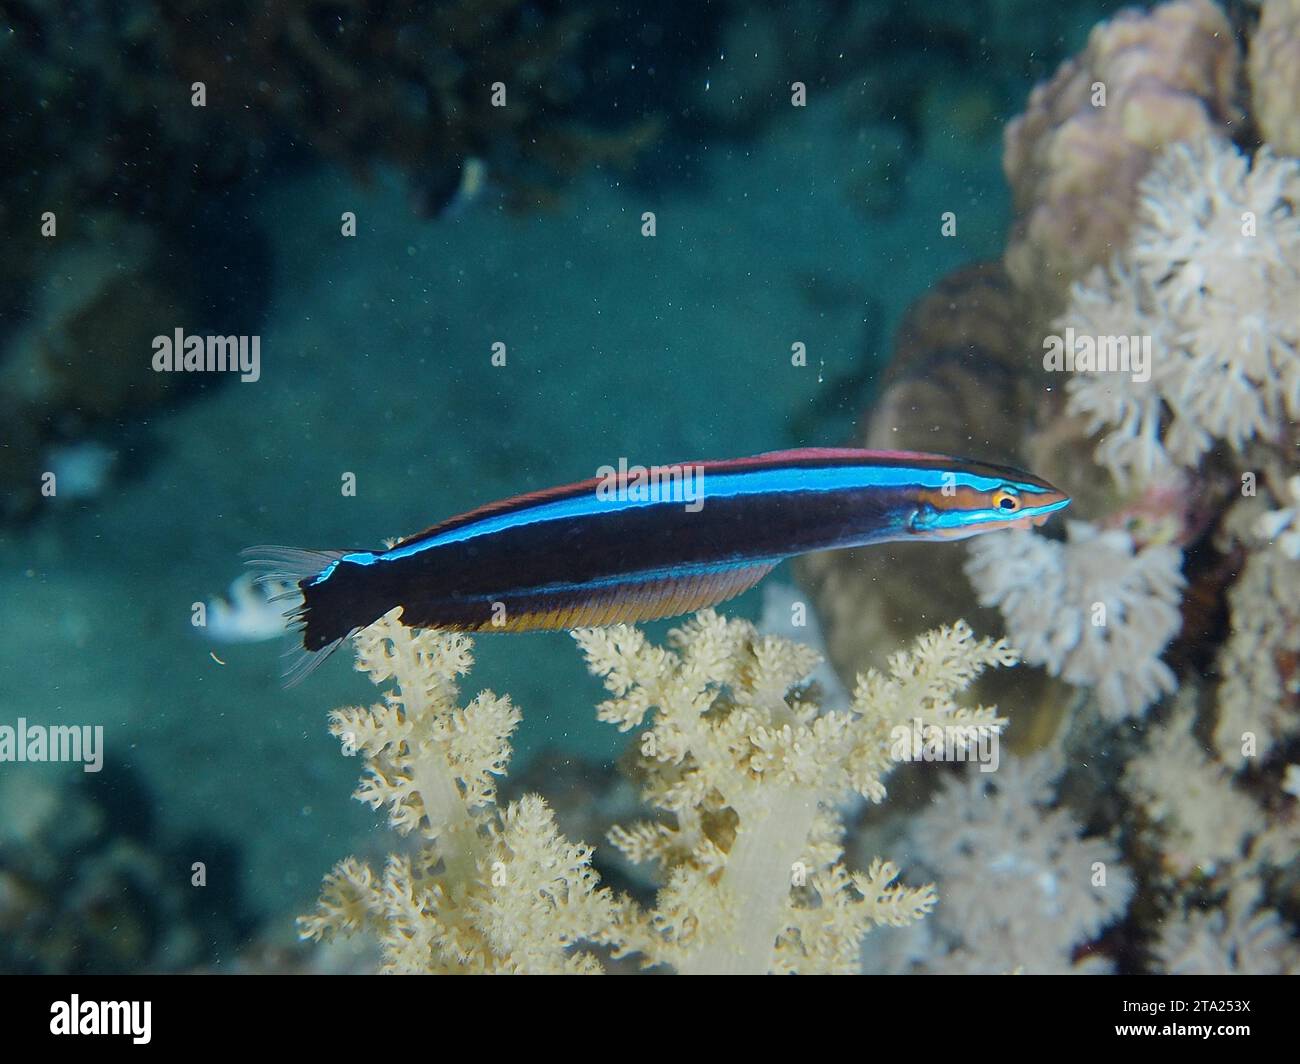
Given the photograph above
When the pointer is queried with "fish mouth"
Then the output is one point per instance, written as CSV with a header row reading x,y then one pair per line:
x,y
1039,514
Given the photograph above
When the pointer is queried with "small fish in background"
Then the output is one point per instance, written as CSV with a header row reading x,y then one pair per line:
x,y
449,193
254,610
573,556
82,470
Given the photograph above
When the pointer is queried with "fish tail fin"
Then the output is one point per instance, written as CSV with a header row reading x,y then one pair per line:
x,y
290,565
299,662
297,567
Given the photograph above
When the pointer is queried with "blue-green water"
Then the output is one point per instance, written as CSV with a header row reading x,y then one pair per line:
x,y
376,361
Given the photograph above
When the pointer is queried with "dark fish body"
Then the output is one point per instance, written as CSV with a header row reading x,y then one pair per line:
x,y
604,551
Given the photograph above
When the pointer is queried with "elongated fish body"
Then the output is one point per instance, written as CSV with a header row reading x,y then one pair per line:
x,y
642,544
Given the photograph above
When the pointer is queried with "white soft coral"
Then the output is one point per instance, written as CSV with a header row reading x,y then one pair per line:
x,y
1213,276
1096,610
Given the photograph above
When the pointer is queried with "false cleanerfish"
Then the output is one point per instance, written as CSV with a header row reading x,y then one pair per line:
x,y
641,543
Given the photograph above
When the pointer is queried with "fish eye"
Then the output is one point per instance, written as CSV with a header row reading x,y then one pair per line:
x,y
1005,500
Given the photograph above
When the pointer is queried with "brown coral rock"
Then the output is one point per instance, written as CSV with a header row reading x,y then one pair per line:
x,y
1274,68
962,381
1074,163
957,383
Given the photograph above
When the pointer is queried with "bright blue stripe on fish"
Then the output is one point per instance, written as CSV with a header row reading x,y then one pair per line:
x,y
963,518
743,482
644,576
639,577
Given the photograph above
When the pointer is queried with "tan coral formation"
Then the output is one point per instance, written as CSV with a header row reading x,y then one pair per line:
x,y
1259,695
1273,63
1210,278
744,771
489,889
1074,165
1169,230
748,775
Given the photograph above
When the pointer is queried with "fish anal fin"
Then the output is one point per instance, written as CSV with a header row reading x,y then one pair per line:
x,y
630,603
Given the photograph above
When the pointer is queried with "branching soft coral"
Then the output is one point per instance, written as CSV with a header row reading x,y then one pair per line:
x,y
1282,526
1232,939
1259,696
1223,857
1199,821
748,773
490,890
745,766
1097,610
1213,276
1021,888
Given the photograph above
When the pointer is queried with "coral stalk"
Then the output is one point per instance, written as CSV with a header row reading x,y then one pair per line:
x,y
758,874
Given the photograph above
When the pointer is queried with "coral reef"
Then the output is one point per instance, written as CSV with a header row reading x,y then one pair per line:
x,y
490,889
1259,696
1022,889
1213,276
744,771
1075,157
90,885
750,775
1170,605
1158,827
1273,64
1212,266
1202,820
1095,610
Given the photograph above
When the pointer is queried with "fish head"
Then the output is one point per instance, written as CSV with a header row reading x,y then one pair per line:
x,y
978,497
